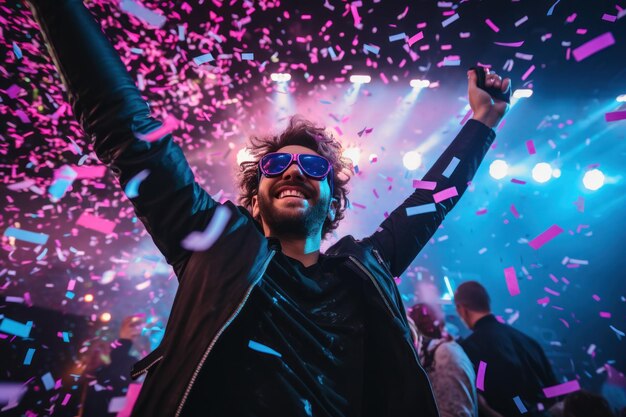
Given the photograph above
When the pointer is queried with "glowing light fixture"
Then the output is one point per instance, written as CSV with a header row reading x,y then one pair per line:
x,y
360,79
419,83
412,160
88,298
105,317
522,93
498,169
353,154
621,98
280,77
244,155
593,179
542,172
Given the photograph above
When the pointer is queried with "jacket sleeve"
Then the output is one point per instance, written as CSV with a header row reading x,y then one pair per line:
x,y
408,228
112,112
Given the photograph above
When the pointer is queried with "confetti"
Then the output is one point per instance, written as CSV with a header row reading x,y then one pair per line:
x,y
520,405
561,389
424,185
26,236
15,327
615,116
96,223
480,376
445,194
530,146
203,59
552,232
415,38
424,208
262,348
201,241
169,125
17,51
142,13
451,167
132,187
511,281
593,46
492,25
397,37
551,9
371,48
29,356
450,20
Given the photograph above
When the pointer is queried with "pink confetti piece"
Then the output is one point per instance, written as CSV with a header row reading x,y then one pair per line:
x,y
544,300
593,46
131,398
361,206
609,17
424,185
201,241
516,181
415,38
530,145
551,291
480,376
552,232
96,223
615,116
571,18
445,194
605,314
166,128
561,389
14,91
580,204
492,25
528,72
521,21
510,44
481,212
511,281
596,297
86,171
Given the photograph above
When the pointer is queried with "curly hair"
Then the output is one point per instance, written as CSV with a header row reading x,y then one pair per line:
x,y
305,133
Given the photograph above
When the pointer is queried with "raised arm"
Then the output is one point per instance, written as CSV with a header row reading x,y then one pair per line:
x,y
111,111
408,228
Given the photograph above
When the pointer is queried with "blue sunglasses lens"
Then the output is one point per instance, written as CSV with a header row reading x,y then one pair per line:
x,y
275,164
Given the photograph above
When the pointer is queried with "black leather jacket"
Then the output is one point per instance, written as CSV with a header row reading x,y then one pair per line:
x,y
215,284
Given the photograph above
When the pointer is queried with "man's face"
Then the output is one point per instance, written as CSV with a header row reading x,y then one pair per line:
x,y
293,204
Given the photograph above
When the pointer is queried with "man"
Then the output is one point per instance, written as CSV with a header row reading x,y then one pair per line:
x,y
516,364
449,369
262,322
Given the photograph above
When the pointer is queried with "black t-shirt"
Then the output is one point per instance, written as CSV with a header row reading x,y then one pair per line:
x,y
296,348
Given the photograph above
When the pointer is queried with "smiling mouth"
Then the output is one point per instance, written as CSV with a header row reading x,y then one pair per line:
x,y
291,193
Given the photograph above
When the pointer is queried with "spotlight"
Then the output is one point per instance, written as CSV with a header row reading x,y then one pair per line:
x,y
419,83
542,172
353,154
522,93
360,79
244,155
412,160
556,173
498,169
593,179
105,317
621,98
280,77
88,298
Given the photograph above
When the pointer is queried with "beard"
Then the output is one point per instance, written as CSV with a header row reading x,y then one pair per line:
x,y
294,224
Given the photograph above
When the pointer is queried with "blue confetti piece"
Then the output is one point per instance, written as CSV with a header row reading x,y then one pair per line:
x,y
397,37
25,235
142,13
132,187
203,59
262,348
451,167
247,56
200,241
15,327
451,19
29,356
424,208
520,405
371,48
17,51
66,337
551,10
69,295
48,381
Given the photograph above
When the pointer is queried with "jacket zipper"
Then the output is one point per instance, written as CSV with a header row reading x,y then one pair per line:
x,y
219,333
380,292
146,368
381,262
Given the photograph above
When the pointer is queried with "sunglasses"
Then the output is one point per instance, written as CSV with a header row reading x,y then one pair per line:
x,y
313,166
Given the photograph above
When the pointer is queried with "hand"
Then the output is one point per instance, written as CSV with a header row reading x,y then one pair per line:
x,y
131,327
485,108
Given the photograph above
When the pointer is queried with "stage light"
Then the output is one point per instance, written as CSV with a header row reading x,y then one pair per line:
x,y
498,169
105,317
593,179
360,79
244,155
556,173
353,154
522,93
88,298
621,98
412,160
280,77
542,172
419,83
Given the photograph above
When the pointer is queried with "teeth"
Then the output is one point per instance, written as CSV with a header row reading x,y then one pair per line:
x,y
290,193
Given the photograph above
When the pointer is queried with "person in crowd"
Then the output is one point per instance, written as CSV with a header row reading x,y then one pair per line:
x,y
516,368
449,369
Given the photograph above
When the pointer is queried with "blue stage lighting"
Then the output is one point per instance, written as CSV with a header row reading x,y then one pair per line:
x,y
498,169
593,179
542,172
